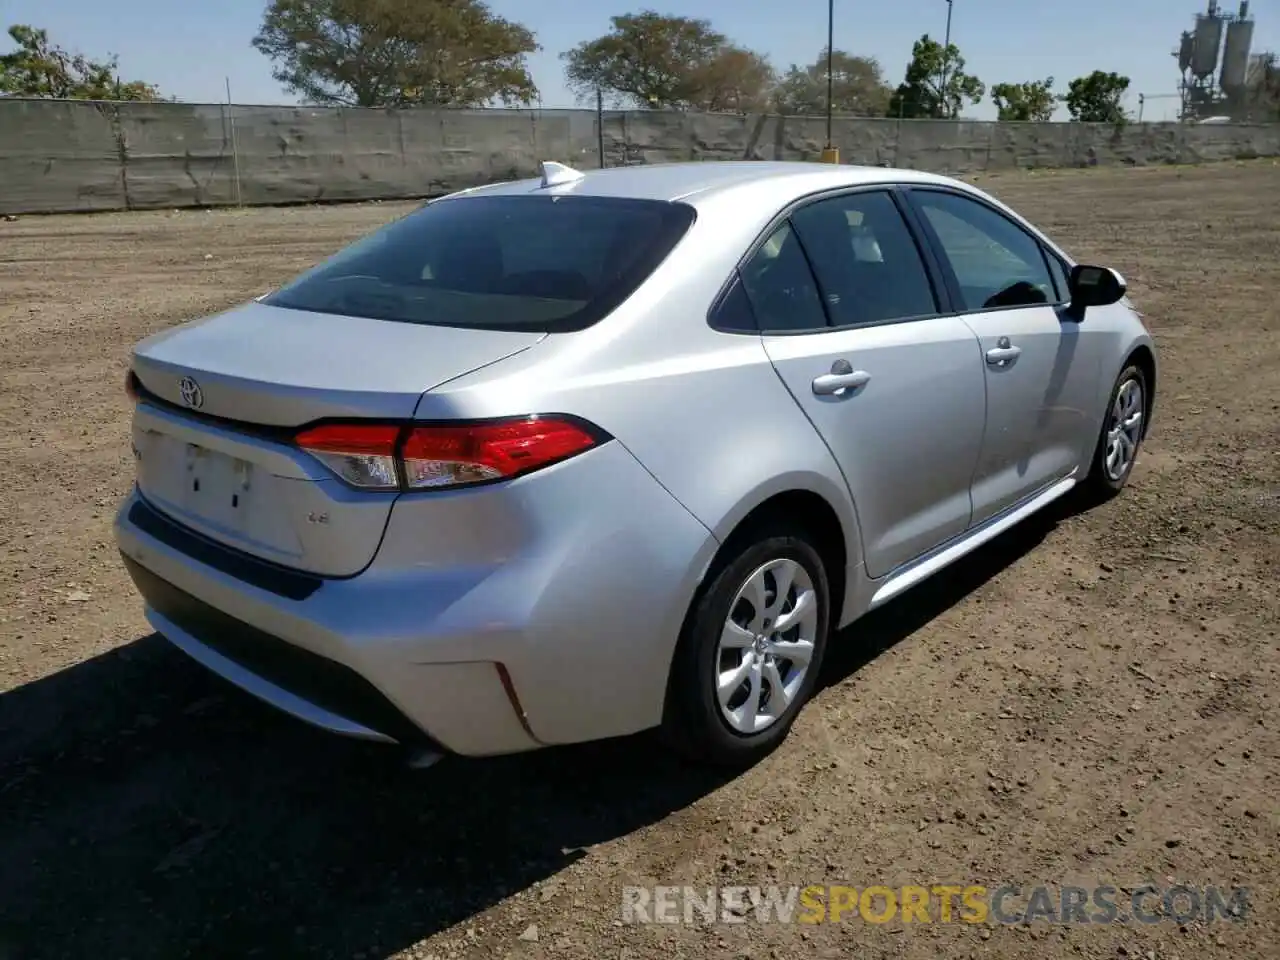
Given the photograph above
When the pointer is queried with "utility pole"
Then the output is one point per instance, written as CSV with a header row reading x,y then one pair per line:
x,y
600,127
1144,97
946,49
235,153
830,154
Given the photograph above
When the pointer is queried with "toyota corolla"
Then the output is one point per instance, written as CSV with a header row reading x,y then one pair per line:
x,y
579,456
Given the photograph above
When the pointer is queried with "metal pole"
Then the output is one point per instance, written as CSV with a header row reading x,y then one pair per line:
x,y
1142,101
831,33
235,154
946,49
600,126
830,154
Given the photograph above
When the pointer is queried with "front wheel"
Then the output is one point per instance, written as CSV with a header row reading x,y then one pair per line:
x,y
1122,434
750,653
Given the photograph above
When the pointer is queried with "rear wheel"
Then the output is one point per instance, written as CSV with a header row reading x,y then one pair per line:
x,y
751,651
1122,434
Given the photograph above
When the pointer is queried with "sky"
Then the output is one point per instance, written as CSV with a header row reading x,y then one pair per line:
x,y
191,49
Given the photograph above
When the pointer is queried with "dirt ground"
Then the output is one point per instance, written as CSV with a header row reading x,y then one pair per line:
x,y
1091,700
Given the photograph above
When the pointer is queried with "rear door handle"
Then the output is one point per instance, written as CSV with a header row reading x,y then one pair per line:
x,y
831,383
999,356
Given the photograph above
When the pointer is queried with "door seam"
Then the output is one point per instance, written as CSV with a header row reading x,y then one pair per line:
x,y
986,419
853,500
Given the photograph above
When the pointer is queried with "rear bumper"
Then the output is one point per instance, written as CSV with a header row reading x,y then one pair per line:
x,y
314,689
567,638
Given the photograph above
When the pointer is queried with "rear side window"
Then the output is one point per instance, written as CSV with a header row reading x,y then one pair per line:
x,y
867,263
528,263
733,313
780,286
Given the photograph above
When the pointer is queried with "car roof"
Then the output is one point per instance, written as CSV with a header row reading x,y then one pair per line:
x,y
683,181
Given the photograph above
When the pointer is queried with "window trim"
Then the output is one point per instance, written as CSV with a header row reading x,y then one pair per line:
x,y
942,294
948,272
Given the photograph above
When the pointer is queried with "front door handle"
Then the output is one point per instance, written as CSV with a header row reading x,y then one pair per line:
x,y
833,383
1002,356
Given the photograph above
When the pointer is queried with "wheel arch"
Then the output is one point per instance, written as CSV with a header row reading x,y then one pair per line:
x,y
1144,358
817,507
832,531
1130,347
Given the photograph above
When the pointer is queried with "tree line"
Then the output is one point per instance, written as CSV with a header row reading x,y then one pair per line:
x,y
458,53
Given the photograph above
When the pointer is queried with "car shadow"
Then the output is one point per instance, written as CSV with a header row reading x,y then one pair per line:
x,y
877,631
149,810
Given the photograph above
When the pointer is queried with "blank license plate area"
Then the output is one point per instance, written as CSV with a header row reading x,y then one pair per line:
x,y
207,485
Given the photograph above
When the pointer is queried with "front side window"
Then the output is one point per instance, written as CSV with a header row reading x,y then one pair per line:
x,y
866,261
1059,272
995,262
527,263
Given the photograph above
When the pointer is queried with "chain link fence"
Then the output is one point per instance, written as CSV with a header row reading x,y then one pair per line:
x,y
62,156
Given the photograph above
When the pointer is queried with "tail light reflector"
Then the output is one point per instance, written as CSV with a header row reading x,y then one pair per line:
x,y
364,455
408,457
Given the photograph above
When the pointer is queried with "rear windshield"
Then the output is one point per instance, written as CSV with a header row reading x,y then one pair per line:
x,y
536,263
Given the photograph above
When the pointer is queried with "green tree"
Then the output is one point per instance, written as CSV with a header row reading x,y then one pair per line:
x,y
936,84
1033,100
391,53
654,60
736,81
38,68
857,87
1096,98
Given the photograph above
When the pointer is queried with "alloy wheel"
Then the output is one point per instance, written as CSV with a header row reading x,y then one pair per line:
x,y
766,645
1124,429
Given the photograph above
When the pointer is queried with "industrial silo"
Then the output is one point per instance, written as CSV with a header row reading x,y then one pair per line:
x,y
1204,60
1186,51
1235,53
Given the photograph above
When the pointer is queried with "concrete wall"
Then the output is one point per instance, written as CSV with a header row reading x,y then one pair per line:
x,y
59,156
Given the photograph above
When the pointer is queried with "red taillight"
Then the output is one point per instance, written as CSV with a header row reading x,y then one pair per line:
x,y
388,457
444,456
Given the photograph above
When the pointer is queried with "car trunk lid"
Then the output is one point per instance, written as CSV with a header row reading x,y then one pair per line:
x,y
214,449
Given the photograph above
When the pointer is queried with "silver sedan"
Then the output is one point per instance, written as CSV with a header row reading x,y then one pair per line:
x,y
575,457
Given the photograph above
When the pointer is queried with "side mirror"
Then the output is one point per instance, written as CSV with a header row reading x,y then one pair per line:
x,y
1095,287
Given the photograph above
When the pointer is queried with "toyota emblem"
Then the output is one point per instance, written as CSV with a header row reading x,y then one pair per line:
x,y
192,395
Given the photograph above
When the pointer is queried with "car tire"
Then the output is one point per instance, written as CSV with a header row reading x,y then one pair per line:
x,y
1103,481
696,723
